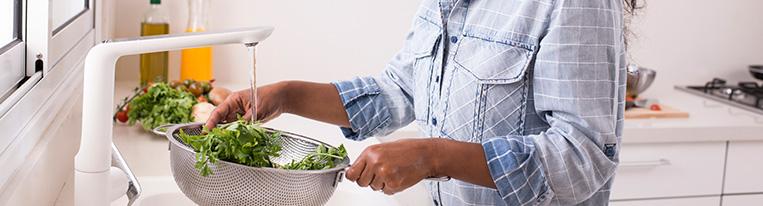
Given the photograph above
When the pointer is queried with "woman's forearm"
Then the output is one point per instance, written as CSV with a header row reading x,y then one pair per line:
x,y
318,101
463,161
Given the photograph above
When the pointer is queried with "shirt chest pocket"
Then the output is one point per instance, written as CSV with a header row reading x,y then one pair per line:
x,y
488,89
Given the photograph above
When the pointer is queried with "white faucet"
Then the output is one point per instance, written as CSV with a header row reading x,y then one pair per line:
x,y
97,183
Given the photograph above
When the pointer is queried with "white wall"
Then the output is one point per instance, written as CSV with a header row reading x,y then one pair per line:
x,y
686,41
313,40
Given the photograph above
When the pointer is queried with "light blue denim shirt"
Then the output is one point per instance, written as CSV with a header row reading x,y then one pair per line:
x,y
539,83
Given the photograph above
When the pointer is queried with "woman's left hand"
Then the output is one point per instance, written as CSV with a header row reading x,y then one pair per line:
x,y
394,166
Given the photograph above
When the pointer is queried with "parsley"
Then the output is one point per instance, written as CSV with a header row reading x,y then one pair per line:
x,y
159,105
251,145
323,158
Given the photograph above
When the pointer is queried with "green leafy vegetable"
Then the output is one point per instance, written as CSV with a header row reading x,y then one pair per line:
x,y
237,142
323,158
251,145
159,105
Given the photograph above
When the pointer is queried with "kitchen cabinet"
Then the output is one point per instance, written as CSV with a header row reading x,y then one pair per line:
x,y
697,201
726,173
659,170
744,170
742,200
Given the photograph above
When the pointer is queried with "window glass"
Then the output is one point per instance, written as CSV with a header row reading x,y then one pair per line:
x,y
62,11
7,27
11,55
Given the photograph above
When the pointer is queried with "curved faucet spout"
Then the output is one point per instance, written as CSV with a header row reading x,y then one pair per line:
x,y
93,161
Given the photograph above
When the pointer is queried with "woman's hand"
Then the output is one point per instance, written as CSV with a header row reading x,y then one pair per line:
x,y
394,166
270,104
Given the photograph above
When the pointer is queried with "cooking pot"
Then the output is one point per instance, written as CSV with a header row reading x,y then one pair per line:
x,y
639,79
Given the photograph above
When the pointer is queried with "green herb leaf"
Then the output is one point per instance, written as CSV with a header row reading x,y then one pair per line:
x,y
160,105
252,145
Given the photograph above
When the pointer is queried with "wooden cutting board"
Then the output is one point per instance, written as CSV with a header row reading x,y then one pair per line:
x,y
646,113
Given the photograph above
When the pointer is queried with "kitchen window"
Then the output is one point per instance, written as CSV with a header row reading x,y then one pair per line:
x,y
12,70
43,44
70,22
64,11
35,36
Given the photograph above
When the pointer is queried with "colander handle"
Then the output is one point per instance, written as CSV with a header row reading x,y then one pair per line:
x,y
162,129
340,176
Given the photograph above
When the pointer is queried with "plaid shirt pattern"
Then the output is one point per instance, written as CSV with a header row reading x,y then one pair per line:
x,y
539,83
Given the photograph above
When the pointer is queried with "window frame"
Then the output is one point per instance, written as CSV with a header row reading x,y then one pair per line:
x,y
67,36
12,58
39,47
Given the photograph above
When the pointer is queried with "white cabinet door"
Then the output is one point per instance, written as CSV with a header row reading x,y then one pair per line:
x,y
698,201
744,168
669,170
742,200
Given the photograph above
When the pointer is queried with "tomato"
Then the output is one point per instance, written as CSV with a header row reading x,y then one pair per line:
x,y
629,99
122,116
655,107
201,99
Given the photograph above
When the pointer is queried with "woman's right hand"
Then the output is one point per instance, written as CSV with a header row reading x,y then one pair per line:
x,y
270,104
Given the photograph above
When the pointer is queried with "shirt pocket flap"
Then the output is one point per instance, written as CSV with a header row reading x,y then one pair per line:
x,y
492,62
423,41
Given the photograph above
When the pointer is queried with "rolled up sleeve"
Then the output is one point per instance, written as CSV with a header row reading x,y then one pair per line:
x,y
516,170
375,106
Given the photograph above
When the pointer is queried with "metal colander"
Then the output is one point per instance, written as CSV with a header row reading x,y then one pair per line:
x,y
236,184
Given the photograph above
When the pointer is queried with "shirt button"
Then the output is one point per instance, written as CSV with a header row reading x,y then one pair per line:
x,y
437,79
436,203
453,39
434,121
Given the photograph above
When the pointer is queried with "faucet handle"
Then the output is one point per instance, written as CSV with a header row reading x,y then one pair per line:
x,y
133,188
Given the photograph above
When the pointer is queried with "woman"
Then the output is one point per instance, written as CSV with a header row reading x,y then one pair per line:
x,y
523,100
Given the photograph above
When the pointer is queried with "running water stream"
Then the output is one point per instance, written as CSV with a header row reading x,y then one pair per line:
x,y
253,80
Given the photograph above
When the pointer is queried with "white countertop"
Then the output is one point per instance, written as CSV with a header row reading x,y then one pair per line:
x,y
708,120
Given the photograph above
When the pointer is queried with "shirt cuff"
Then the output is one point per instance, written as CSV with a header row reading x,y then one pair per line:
x,y
516,169
365,108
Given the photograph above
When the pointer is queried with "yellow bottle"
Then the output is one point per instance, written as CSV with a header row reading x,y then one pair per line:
x,y
196,63
154,66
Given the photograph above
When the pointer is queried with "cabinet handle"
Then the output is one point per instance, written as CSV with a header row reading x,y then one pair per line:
x,y
648,163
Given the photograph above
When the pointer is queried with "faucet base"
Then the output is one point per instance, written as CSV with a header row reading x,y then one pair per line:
x,y
90,189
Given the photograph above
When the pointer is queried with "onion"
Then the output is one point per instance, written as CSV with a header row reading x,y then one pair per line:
x,y
218,94
202,111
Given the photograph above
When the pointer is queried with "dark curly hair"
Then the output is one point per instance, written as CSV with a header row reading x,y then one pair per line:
x,y
631,6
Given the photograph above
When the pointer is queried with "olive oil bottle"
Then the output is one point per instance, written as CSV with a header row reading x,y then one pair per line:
x,y
154,66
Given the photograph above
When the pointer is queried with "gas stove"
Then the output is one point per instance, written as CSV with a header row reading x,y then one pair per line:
x,y
744,95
